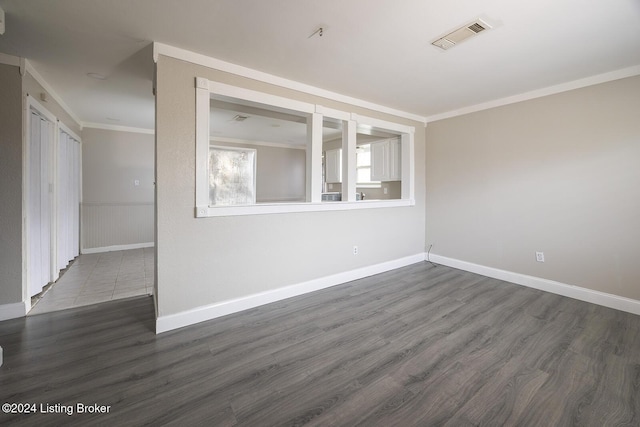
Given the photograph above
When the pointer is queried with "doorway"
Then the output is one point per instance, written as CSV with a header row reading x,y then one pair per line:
x,y
40,203
52,198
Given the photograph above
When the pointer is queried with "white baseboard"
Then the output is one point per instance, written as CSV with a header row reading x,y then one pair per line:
x,y
583,294
117,248
208,312
13,311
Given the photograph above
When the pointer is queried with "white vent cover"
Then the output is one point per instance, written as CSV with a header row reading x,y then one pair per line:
x,y
461,34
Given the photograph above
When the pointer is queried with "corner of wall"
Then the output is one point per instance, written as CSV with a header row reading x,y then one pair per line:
x,y
14,310
576,292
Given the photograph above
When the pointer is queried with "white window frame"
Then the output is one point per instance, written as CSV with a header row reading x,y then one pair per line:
x,y
370,183
206,88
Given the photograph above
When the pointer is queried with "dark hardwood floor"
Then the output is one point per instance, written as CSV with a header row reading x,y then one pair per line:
x,y
417,346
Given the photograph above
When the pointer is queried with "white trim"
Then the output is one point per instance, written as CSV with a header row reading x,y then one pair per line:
x,y
208,312
263,209
333,113
223,89
64,128
116,248
32,104
314,159
118,128
583,294
551,90
15,310
51,92
36,105
9,60
203,109
217,64
257,143
382,124
206,89
349,165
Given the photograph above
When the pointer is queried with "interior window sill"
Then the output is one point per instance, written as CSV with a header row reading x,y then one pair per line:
x,y
277,208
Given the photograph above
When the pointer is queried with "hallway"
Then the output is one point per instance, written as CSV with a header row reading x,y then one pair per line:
x,y
96,278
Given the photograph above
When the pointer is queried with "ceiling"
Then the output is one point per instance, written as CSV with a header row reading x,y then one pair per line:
x,y
378,51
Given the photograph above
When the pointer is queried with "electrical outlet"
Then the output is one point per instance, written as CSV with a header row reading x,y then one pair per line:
x,y
355,250
540,256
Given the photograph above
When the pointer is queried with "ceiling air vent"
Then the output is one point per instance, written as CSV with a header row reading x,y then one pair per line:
x,y
239,118
461,34
476,27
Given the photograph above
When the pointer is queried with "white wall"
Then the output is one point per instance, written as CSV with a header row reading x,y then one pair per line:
x,y
558,174
115,211
206,261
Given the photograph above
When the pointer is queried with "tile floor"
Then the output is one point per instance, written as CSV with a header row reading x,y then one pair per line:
x,y
95,278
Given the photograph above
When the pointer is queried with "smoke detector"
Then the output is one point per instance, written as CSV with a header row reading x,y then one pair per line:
x,y
461,34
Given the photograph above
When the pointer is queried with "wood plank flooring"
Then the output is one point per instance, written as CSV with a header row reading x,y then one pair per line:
x,y
419,346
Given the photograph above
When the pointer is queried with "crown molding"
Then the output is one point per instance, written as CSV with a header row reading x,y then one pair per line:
x,y
36,75
237,141
539,93
217,64
105,126
10,60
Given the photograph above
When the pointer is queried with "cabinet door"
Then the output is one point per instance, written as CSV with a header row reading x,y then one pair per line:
x,y
386,160
395,157
333,166
379,166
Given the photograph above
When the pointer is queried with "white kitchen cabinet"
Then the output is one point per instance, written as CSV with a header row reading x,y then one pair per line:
x,y
386,160
333,166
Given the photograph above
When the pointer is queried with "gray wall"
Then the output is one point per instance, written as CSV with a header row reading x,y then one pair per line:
x,y
115,212
14,89
202,261
111,161
280,172
558,174
10,185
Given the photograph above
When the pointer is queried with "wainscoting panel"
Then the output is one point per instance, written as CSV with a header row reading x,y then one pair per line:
x,y
106,225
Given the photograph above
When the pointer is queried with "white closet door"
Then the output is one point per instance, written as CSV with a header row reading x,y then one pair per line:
x,y
46,208
62,205
34,273
76,188
68,190
39,204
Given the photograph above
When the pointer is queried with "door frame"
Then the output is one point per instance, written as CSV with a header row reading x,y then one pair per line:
x,y
32,104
